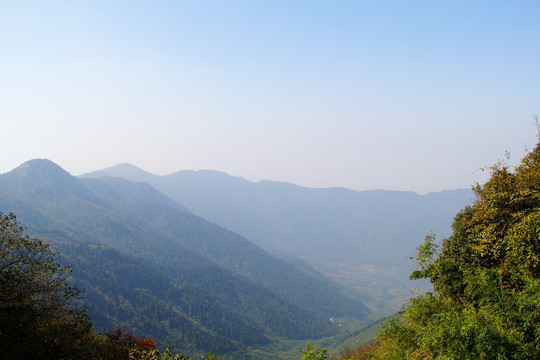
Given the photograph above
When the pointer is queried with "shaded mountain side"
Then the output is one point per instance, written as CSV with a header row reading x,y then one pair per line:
x,y
125,171
362,239
322,226
136,231
236,254
123,292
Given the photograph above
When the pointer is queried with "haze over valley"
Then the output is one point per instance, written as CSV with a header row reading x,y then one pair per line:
x,y
250,179
362,239
147,260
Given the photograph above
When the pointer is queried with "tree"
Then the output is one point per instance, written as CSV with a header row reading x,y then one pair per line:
x,y
120,343
40,314
486,278
312,353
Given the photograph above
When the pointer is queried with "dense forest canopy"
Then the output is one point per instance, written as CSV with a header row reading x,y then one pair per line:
x,y
150,266
486,279
40,314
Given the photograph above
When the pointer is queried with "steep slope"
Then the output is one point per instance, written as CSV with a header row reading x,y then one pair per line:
x,y
123,292
141,230
231,251
326,225
362,238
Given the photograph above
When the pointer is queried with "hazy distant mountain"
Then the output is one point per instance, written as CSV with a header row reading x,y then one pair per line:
x,y
363,238
150,264
126,171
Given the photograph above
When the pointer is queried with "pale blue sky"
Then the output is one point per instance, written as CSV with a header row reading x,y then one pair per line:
x,y
400,95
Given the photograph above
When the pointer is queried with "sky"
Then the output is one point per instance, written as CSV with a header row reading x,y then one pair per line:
x,y
398,95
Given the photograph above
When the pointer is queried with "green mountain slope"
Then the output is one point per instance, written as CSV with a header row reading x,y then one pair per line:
x,y
144,258
361,238
122,292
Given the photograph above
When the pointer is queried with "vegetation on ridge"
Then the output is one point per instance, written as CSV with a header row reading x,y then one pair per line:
x,y
42,317
152,268
486,279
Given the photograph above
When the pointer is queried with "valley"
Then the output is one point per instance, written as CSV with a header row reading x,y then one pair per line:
x,y
215,262
362,240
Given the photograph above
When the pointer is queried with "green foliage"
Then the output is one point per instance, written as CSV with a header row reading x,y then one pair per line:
x,y
155,354
486,278
425,256
167,354
163,272
145,301
312,353
40,316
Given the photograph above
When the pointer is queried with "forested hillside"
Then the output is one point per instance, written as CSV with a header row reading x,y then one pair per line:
x,y
150,265
361,238
42,316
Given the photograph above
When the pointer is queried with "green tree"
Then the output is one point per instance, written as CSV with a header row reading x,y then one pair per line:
x,y
40,314
312,353
486,278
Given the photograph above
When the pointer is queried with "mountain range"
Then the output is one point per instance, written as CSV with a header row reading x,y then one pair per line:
x,y
150,265
206,261
362,239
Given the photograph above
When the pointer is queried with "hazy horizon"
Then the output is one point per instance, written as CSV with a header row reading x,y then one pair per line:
x,y
132,166
395,95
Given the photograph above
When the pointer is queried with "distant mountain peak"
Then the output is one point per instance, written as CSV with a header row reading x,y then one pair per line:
x,y
125,166
40,168
44,177
122,170
40,163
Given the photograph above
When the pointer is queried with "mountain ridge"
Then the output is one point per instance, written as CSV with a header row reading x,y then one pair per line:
x,y
124,169
358,238
270,294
